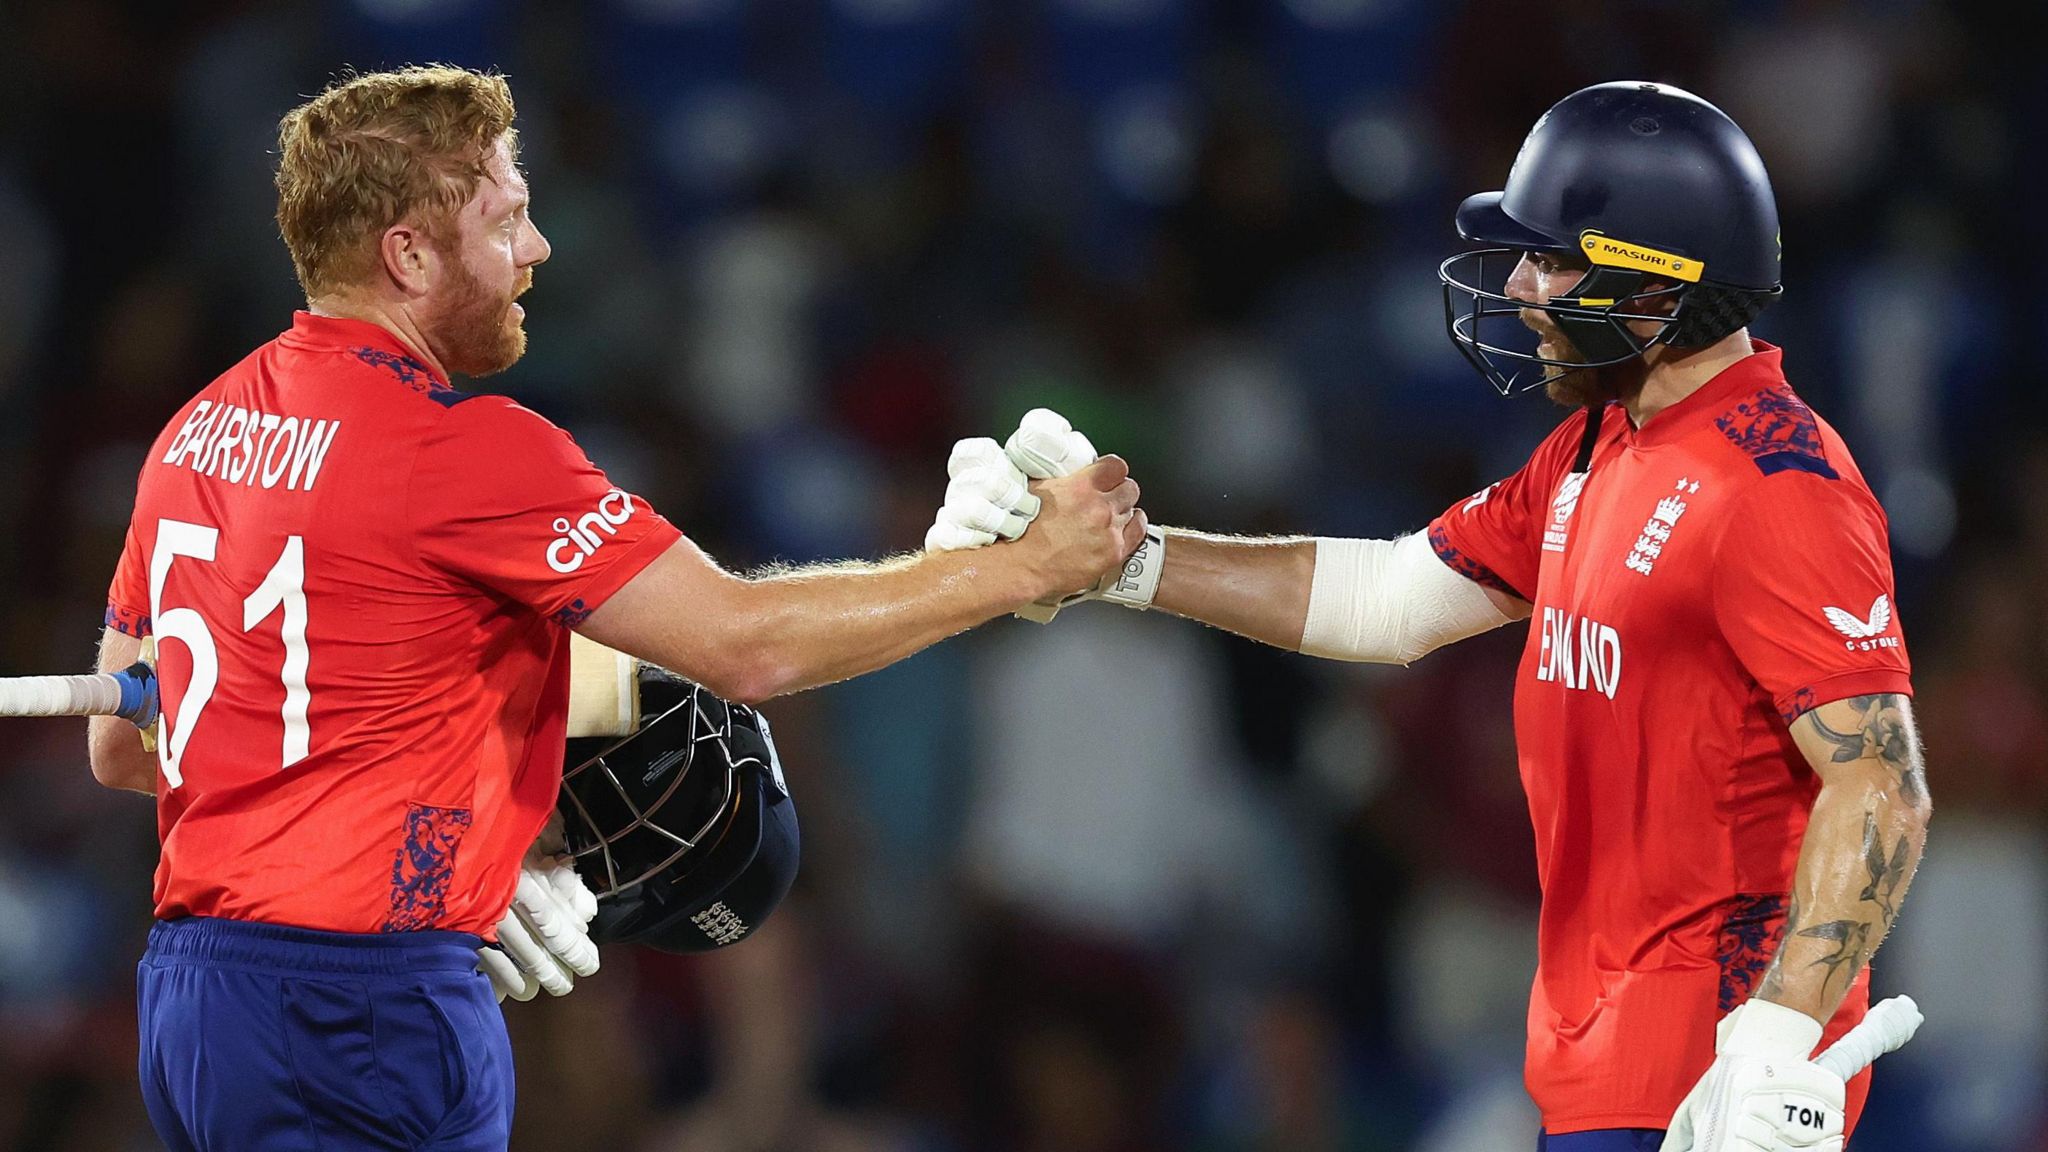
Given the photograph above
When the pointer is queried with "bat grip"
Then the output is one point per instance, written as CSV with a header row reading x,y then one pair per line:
x,y
1885,1028
138,694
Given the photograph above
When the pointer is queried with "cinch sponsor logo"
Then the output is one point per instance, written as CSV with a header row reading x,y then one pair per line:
x,y
1621,254
1579,652
254,449
579,541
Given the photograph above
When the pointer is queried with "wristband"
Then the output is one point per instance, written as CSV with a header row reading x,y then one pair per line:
x,y
1138,581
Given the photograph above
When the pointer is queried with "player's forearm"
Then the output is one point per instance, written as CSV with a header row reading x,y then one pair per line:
x,y
1863,843
117,756
113,746
753,638
816,626
1253,587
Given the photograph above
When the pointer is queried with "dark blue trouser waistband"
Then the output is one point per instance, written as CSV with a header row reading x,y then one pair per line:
x,y
249,943
1602,1140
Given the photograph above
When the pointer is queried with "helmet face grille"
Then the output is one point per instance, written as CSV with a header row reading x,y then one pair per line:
x,y
1484,322
645,802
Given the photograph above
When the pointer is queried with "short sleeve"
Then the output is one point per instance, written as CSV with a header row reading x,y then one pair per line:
x,y
505,499
1802,590
128,596
1494,537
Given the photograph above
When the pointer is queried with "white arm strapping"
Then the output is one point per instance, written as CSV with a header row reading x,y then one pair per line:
x,y
1390,602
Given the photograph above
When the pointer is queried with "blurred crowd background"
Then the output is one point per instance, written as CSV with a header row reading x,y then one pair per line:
x,y
1122,884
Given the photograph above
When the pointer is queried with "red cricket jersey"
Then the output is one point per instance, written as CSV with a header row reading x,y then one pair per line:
x,y
1713,575
360,582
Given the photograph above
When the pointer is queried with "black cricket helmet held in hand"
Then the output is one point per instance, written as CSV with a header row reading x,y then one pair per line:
x,y
1637,182
684,830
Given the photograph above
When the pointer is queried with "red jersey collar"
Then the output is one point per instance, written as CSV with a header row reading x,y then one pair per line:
x,y
343,334
1754,372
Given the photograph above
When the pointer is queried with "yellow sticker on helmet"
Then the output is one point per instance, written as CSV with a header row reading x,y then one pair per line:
x,y
1614,253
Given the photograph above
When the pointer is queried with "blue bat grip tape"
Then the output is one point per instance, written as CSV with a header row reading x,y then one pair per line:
x,y
138,694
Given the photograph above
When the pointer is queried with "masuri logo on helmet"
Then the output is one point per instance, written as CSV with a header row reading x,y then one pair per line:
x,y
1621,254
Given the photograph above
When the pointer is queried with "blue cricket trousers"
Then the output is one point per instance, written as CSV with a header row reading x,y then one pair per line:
x,y
259,1037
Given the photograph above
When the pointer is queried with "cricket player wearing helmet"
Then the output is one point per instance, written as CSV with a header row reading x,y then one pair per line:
x,y
1712,711
360,582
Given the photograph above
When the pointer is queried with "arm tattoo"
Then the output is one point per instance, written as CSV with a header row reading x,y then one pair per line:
x,y
1846,930
1886,872
1849,938
1882,734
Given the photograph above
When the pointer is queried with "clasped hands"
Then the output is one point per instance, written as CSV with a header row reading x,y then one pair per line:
x,y
1095,542
1048,474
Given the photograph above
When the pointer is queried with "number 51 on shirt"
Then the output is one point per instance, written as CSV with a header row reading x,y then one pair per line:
x,y
284,587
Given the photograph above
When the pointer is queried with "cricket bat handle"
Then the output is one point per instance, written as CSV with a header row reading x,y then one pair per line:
x,y
1885,1028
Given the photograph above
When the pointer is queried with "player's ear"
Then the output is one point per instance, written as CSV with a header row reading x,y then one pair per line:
x,y
408,257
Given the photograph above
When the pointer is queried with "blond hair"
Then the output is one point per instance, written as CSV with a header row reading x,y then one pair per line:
x,y
373,150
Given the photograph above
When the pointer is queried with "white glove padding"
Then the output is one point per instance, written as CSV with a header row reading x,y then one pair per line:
x,y
543,941
1045,446
987,497
1762,1093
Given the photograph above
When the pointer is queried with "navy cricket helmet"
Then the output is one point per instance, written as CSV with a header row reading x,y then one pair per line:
x,y
1636,182
685,830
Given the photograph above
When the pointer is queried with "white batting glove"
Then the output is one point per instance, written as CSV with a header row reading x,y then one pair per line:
x,y
1046,445
987,498
544,940
1763,1093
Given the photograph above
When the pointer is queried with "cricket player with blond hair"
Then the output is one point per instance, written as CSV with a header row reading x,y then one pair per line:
x,y
360,581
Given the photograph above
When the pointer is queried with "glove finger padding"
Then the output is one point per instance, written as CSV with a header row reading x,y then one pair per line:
x,y
1045,446
999,483
974,452
558,929
946,536
983,515
986,497
533,959
573,895
507,978
542,939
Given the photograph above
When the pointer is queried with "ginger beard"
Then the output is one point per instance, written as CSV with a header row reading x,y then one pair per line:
x,y
480,332
1577,387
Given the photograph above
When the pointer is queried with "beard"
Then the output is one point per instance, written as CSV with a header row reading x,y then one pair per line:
x,y
479,334
1577,387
